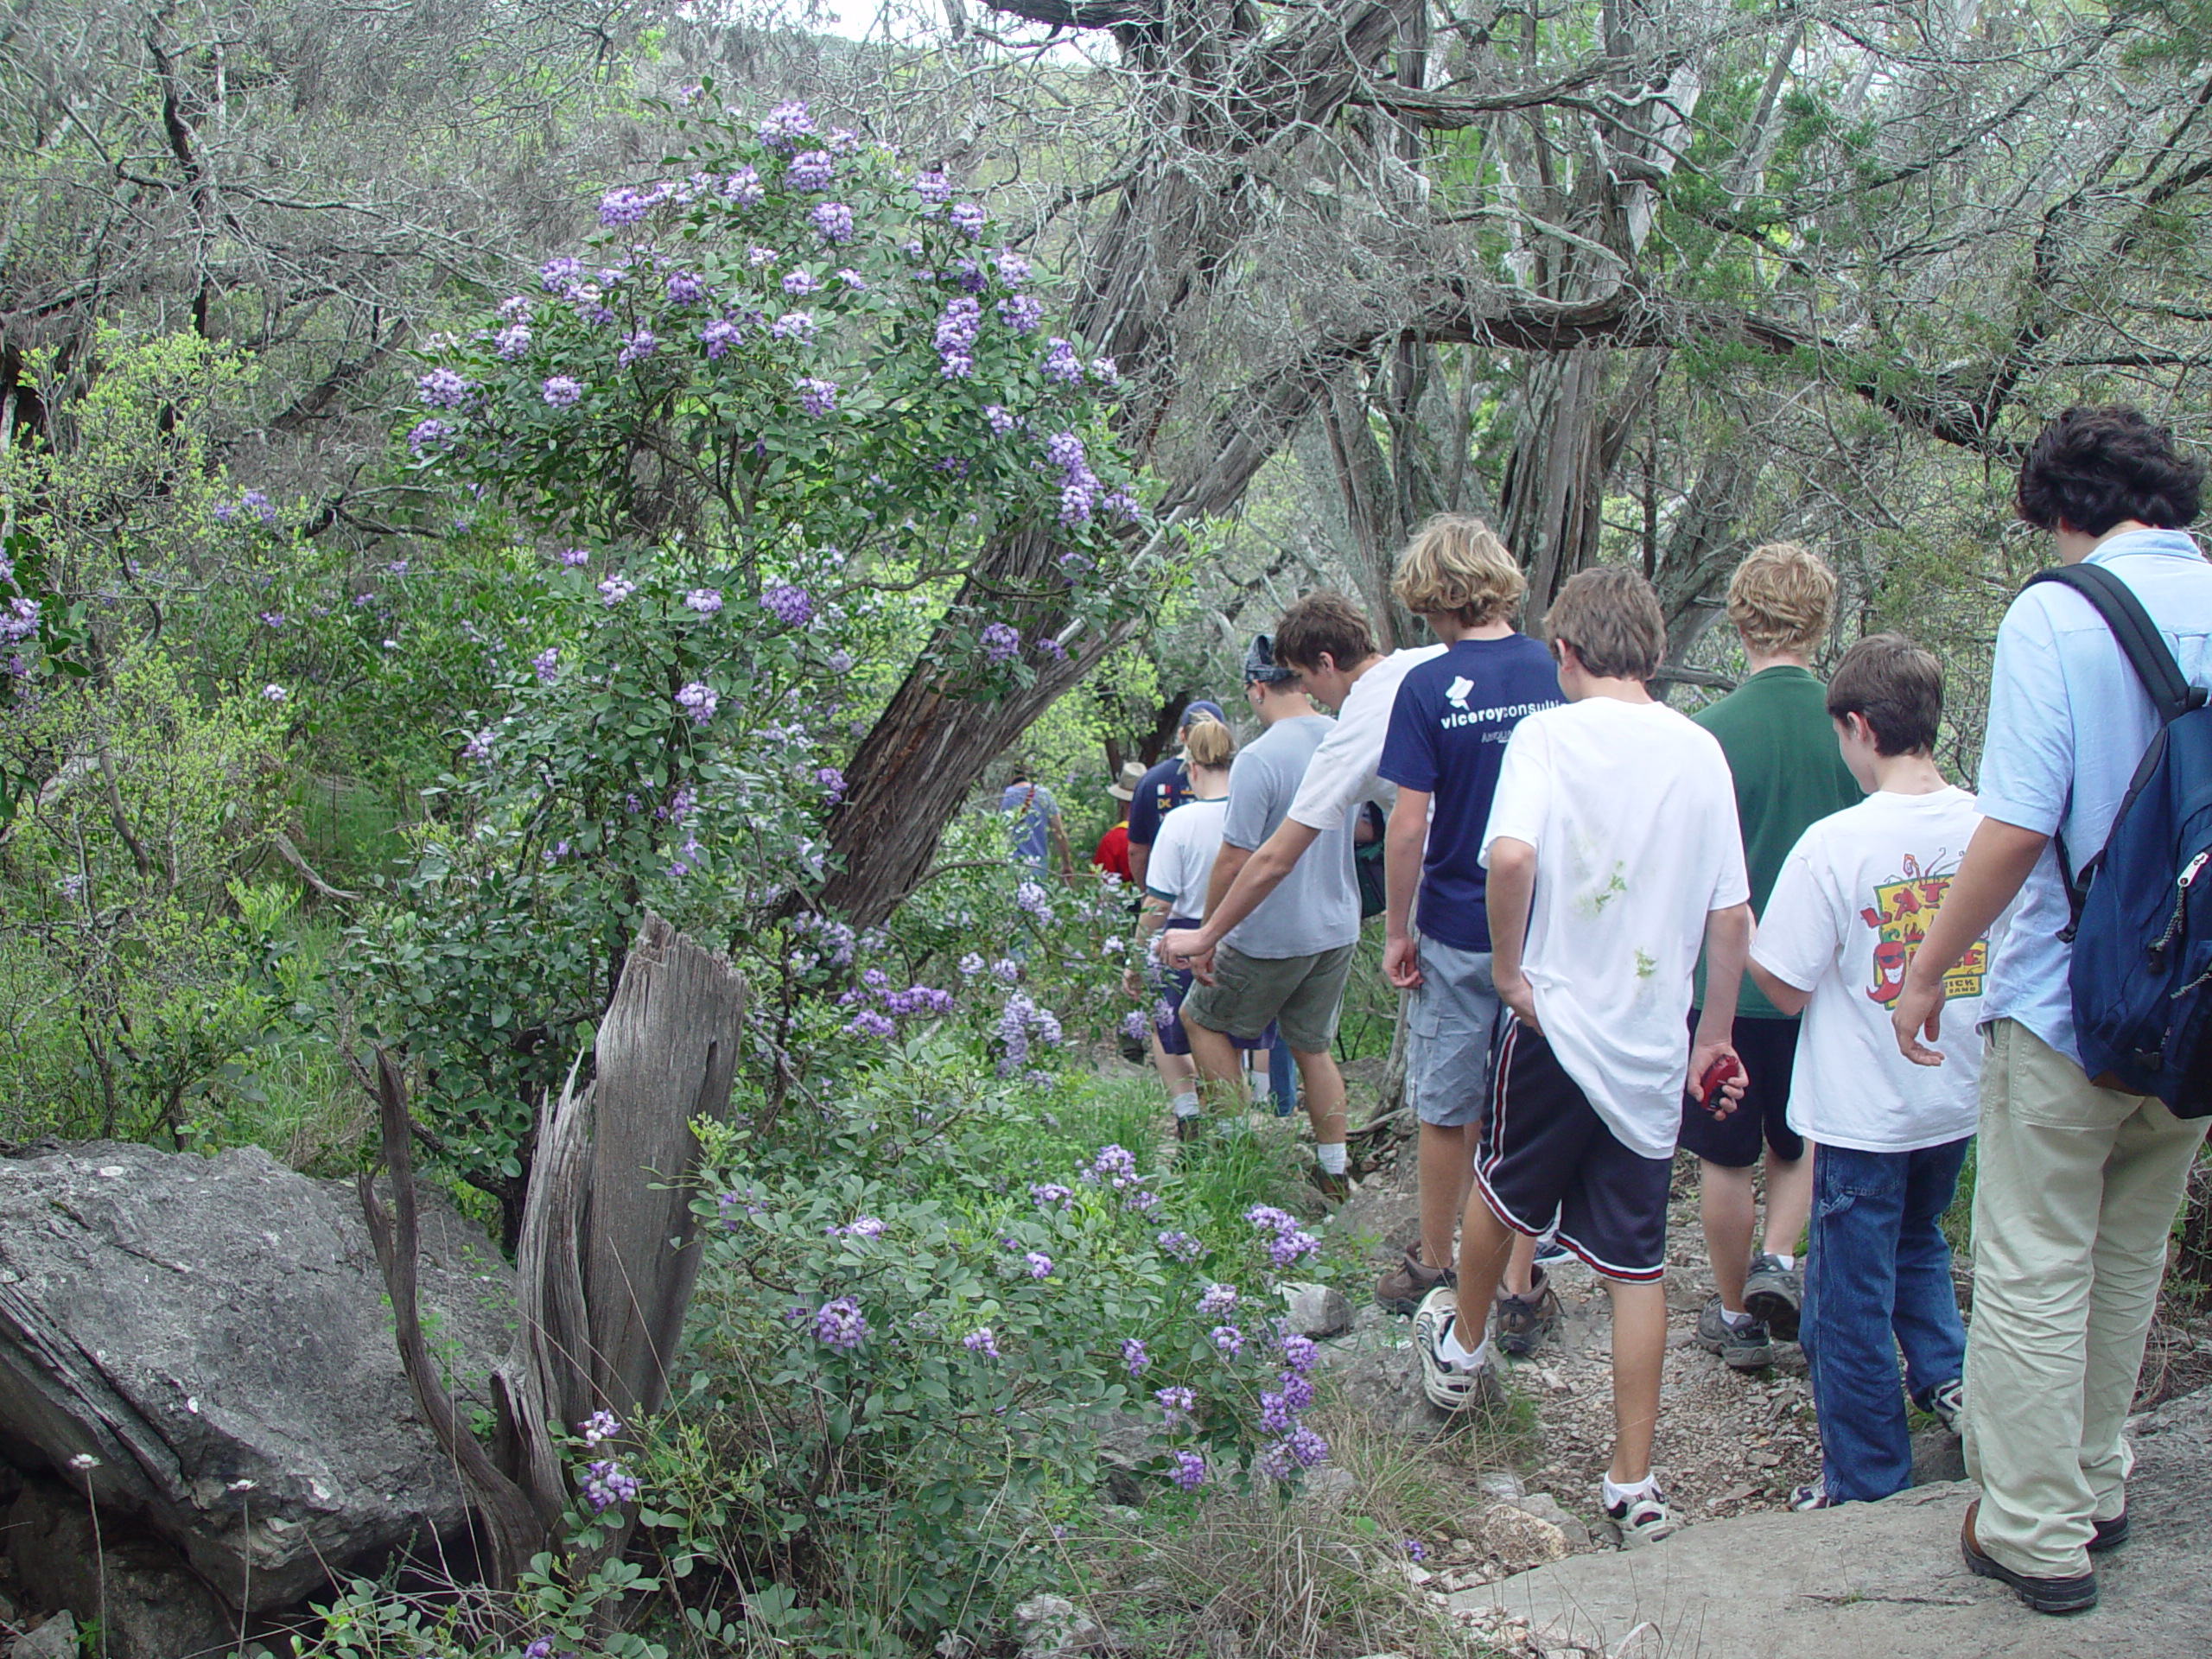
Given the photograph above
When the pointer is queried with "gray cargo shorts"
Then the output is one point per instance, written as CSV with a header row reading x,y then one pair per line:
x,y
1449,1029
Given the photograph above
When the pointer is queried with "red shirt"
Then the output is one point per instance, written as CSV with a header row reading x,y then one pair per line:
x,y
1112,853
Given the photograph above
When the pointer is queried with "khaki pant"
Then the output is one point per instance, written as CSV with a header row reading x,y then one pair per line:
x,y
2076,1189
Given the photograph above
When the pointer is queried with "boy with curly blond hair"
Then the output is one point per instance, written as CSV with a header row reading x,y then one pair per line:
x,y
1447,734
1775,730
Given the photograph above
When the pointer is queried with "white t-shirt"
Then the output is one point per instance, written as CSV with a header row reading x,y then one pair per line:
x,y
1342,772
1632,812
1850,906
1182,858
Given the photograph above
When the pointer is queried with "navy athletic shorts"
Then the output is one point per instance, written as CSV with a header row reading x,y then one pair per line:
x,y
1769,1051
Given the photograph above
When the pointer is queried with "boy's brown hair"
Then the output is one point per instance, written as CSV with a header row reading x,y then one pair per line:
x,y
1780,598
1323,624
1610,615
1897,687
1456,566
1210,743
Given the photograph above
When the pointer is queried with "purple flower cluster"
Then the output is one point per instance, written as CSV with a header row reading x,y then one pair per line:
x,y
1013,268
794,325
1051,1192
1134,1360
705,601
967,217
934,188
636,347
1048,646
600,1425
1018,1022
818,398
511,342
478,746
1007,971
719,336
615,589
860,1227
852,279
832,222
868,1023
1181,1246
255,502
810,169
428,434
800,283
786,123
1115,1165
698,700
1190,1472
561,392
547,664
683,287
1078,484
1000,422
1002,643
1022,313
1060,362
1177,1401
607,1483
956,337
981,1340
556,276
444,389
831,783
1288,1243
789,605
1228,1339
628,206
840,1323
1216,1301
575,557
1037,1264
743,189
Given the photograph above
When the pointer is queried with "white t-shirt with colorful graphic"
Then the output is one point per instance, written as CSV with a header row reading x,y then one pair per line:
x,y
1854,899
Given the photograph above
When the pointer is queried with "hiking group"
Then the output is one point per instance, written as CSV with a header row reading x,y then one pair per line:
x,y
1774,931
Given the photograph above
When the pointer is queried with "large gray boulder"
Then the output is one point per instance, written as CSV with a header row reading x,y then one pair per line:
x,y
1884,1578
212,1334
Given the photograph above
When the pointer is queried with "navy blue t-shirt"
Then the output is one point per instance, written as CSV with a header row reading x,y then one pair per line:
x,y
1448,737
1163,789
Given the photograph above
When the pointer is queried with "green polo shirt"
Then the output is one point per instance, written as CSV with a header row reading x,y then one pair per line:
x,y
1781,746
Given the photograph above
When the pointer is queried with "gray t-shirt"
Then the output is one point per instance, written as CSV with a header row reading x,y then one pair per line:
x,y
1316,906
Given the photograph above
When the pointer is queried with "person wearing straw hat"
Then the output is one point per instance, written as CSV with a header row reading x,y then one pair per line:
x,y
1112,853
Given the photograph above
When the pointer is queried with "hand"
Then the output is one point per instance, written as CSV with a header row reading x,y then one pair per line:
x,y
1179,946
1515,991
1402,963
1919,1008
1132,982
1703,1053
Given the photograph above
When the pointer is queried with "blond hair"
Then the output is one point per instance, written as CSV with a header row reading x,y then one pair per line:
x,y
1456,567
1208,743
1610,615
1780,598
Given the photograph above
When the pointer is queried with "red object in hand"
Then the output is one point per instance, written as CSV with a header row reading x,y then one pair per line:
x,y
1708,1086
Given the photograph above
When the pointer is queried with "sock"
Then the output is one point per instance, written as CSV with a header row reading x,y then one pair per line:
x,y
1185,1105
1617,1497
1331,1157
1459,1358
1736,1321
1788,1261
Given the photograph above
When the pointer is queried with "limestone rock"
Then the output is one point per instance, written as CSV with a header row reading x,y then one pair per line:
x,y
1886,1577
1511,1535
213,1332
55,1639
155,1606
1051,1626
1317,1311
1545,1507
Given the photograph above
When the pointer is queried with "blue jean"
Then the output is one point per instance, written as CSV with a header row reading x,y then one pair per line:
x,y
1282,1076
1877,1280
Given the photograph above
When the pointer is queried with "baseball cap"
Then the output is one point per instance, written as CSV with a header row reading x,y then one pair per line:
x,y
1206,706
1259,663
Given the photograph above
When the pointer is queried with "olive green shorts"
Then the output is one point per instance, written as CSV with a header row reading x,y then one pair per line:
x,y
1302,994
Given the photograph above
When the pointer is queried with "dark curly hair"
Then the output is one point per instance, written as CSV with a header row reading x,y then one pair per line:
x,y
2095,467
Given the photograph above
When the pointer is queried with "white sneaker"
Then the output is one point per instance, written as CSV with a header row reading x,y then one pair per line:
x,y
1644,1519
1948,1401
1449,1387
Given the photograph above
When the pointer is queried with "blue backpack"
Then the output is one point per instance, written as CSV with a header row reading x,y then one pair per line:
x,y
2142,928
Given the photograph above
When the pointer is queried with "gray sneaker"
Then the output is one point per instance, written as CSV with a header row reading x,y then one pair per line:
x,y
1747,1347
1774,1295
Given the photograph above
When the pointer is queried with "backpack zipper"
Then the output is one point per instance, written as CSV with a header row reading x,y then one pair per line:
x,y
2182,884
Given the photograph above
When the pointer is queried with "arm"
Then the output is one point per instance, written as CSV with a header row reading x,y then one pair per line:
x,y
1786,997
1148,923
1997,860
1059,834
1512,889
1257,874
1727,944
1140,856
1180,947
1402,852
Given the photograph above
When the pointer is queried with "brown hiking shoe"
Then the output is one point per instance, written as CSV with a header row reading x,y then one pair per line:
x,y
1401,1289
1335,1188
1524,1321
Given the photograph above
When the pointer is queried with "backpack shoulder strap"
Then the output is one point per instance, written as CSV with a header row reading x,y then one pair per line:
x,y
2137,635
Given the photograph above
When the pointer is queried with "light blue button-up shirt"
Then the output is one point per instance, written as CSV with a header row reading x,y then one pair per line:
x,y
2068,722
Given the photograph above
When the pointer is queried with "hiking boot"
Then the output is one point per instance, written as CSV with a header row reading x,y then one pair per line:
x,y
2111,1535
1774,1295
1747,1347
1399,1290
2072,1595
1449,1387
1644,1519
1190,1125
1525,1321
1335,1188
1946,1400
